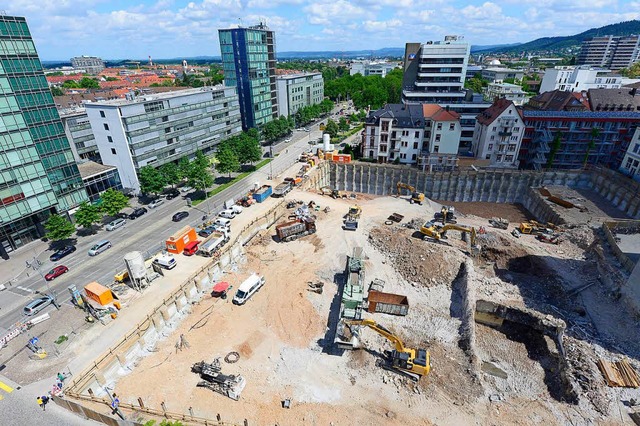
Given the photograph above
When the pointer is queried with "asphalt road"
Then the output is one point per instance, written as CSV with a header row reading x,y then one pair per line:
x,y
146,233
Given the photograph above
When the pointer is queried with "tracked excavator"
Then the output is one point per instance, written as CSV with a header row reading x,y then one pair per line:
x,y
431,230
446,215
408,362
416,197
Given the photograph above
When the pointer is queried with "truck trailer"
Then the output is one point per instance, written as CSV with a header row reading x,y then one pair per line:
x,y
262,193
281,190
212,244
295,229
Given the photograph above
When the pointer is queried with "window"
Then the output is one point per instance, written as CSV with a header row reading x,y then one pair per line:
x,y
417,135
110,139
385,126
438,137
487,157
509,158
413,157
370,154
102,114
494,128
106,126
490,146
113,151
492,137
499,158
452,126
636,148
436,148
405,133
516,129
415,145
512,147
439,127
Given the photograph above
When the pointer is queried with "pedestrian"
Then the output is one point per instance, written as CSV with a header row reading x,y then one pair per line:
x,y
115,403
45,401
61,377
59,384
40,402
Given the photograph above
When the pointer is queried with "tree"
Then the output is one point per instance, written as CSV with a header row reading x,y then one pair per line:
x,y
227,159
170,173
343,124
58,228
89,83
87,215
555,147
113,202
595,133
248,150
200,177
151,180
71,84
56,91
331,128
183,167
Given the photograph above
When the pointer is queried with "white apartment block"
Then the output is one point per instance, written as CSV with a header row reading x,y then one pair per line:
x,y
367,68
511,92
498,75
498,135
631,161
78,129
577,79
161,128
298,90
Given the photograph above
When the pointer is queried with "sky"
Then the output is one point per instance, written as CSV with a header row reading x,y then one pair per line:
x,y
123,29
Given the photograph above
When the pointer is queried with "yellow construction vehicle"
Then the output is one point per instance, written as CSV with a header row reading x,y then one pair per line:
x,y
431,230
411,363
355,211
416,197
446,215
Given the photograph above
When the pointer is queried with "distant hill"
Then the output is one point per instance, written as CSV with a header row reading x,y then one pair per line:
x,y
557,43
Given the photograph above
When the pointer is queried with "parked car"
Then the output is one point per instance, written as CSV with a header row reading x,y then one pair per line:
x,y
306,130
227,214
60,253
56,272
222,223
172,193
115,224
137,213
156,203
99,247
37,305
179,216
186,189
204,233
236,208
287,140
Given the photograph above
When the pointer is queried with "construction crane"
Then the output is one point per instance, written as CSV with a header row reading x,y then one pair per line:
x,y
408,362
416,197
431,230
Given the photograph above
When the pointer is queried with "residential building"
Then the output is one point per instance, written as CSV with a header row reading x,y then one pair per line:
x,y
367,68
631,161
38,175
97,178
161,128
434,72
90,64
78,130
612,52
511,92
498,75
441,139
576,79
498,135
299,90
249,65
472,70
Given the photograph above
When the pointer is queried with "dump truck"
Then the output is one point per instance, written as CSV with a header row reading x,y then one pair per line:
x,y
294,181
213,243
499,222
281,190
290,231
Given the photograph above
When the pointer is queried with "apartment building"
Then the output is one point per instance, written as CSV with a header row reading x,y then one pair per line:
x,y
89,64
78,130
612,52
299,90
161,128
38,174
631,161
367,68
434,72
498,135
579,78
249,65
441,139
499,75
511,92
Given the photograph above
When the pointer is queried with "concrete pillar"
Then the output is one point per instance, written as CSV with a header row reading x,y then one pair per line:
x,y
99,377
164,311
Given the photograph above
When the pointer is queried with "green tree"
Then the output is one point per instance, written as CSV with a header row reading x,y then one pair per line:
x,y
113,202
343,125
200,177
595,134
555,147
58,228
227,159
183,167
89,83
151,180
56,91
87,215
170,173
331,128
249,150
476,83
71,84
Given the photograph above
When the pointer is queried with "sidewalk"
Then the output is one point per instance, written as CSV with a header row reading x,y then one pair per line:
x,y
16,265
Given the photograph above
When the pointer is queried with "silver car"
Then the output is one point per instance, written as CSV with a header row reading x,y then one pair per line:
x,y
156,203
115,224
99,248
37,305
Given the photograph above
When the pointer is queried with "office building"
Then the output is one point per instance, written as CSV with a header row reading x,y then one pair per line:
x,y
498,135
78,130
249,64
161,128
90,64
367,68
434,72
576,79
612,52
97,178
511,92
299,90
499,75
38,175
631,161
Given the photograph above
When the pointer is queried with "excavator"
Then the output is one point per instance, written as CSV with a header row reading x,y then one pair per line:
x,y
431,230
416,197
408,362
446,215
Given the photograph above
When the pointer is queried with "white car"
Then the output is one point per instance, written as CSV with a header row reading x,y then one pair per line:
x,y
156,203
227,214
287,140
186,189
236,208
115,224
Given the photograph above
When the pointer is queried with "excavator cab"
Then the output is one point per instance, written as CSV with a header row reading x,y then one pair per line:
x,y
417,197
525,228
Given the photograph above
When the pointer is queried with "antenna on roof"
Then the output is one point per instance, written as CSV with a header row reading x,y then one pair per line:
x,y
239,22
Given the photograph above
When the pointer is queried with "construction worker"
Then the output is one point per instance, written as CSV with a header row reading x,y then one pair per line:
x,y
41,403
115,403
61,377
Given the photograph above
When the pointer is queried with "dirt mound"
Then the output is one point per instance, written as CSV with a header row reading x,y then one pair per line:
x,y
582,236
416,260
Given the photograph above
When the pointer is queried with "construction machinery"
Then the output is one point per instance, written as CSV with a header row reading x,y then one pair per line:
x,y
431,230
290,231
408,362
499,222
334,193
212,378
416,197
354,212
446,215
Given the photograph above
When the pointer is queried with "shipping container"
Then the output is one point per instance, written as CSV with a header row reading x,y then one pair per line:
x,y
387,303
262,193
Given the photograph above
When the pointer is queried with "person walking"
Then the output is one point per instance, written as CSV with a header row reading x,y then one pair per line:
x,y
115,403
45,401
40,403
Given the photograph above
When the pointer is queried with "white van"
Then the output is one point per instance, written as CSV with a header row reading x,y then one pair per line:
x,y
228,214
248,288
225,223
165,261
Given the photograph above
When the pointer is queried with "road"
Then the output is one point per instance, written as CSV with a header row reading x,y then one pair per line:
x,y
145,234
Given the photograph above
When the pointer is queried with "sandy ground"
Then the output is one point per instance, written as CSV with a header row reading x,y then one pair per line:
x,y
280,331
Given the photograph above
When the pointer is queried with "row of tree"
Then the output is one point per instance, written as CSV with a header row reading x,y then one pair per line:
x,y
241,149
370,91
196,173
333,128
275,129
307,114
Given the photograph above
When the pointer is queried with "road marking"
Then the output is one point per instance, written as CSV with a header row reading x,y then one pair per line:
x,y
28,290
6,388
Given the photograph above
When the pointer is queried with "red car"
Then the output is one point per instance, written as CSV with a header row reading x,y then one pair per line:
x,y
56,272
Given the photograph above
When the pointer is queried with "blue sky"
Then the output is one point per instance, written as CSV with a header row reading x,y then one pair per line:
x,y
115,29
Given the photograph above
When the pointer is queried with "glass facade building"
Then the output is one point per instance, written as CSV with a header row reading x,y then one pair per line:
x,y
38,174
249,64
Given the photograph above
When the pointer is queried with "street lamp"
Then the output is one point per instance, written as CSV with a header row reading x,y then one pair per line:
x,y
271,162
35,265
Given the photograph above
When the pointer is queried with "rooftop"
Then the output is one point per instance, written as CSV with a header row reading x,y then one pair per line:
x,y
159,96
490,114
437,113
403,115
623,99
91,168
298,75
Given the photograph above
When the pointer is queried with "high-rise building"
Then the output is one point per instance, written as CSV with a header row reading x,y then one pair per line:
x,y
38,175
90,64
296,91
612,52
249,64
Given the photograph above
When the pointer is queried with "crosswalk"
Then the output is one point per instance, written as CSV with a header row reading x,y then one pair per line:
x,y
6,388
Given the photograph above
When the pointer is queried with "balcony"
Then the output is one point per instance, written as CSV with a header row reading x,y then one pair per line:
x,y
504,134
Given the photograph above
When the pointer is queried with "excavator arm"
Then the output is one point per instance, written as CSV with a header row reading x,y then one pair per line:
x,y
400,186
397,342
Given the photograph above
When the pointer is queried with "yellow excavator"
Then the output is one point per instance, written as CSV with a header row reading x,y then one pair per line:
x,y
416,197
411,363
431,230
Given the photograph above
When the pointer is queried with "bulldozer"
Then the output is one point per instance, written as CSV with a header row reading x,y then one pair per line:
x,y
408,362
431,230
416,197
446,215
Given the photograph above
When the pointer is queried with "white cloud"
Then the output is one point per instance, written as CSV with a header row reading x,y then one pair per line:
x,y
377,26
335,12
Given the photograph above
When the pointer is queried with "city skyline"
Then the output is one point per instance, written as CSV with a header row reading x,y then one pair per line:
x,y
173,29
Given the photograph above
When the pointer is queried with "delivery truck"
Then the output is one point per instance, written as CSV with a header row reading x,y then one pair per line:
x,y
214,243
290,231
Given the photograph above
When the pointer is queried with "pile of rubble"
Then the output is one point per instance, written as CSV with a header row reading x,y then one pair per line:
x,y
582,236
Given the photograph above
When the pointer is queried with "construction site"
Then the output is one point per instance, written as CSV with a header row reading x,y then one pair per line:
x,y
378,294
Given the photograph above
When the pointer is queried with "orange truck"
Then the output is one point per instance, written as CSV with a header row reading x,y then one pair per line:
x,y
178,241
